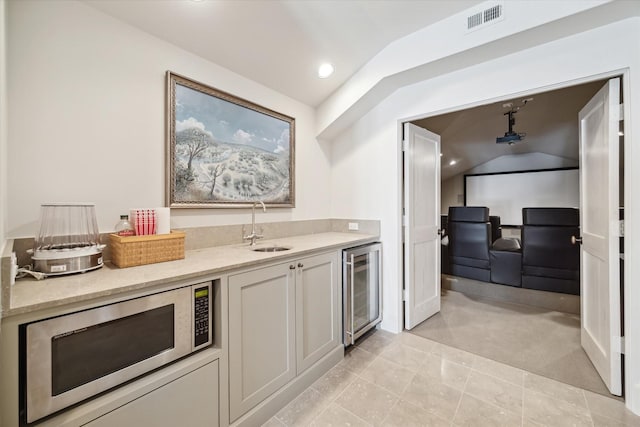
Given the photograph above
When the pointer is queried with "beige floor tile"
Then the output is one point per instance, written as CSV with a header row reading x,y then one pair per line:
x,y
455,355
356,359
389,375
302,409
367,401
610,408
386,334
335,416
499,370
493,390
446,371
601,421
405,356
331,384
417,342
555,389
375,342
529,423
433,396
547,410
273,422
405,414
474,412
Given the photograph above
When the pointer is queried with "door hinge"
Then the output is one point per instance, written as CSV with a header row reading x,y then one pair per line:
x,y
621,228
621,112
405,295
618,345
405,145
404,220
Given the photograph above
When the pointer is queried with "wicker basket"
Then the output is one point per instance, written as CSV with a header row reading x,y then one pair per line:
x,y
128,251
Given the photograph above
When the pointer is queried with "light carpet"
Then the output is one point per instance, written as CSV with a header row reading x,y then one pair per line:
x,y
537,340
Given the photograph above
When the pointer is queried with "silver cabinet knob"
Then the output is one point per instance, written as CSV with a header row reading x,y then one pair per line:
x,y
575,240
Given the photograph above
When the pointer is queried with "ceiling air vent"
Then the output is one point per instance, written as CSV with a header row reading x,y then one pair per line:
x,y
485,16
474,20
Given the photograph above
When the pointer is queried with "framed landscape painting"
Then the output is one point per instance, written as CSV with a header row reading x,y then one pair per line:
x,y
224,151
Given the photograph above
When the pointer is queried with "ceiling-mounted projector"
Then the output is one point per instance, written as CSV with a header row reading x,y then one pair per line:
x,y
510,137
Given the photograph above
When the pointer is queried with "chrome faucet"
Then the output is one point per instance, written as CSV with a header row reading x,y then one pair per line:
x,y
254,236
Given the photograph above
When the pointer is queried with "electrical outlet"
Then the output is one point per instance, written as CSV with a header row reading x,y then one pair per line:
x,y
354,226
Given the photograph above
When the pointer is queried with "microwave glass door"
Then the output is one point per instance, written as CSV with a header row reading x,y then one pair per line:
x,y
80,357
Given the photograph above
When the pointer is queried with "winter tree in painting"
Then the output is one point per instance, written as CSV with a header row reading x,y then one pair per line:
x,y
226,153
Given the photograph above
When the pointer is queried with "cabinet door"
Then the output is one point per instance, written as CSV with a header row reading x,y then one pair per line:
x,y
191,400
261,335
317,313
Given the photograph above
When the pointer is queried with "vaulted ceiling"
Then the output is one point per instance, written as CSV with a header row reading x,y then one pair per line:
x,y
281,43
550,122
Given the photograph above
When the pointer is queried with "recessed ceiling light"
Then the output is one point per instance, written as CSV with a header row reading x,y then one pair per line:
x,y
452,162
325,70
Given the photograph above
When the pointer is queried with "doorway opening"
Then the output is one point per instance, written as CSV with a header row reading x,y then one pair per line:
x,y
468,146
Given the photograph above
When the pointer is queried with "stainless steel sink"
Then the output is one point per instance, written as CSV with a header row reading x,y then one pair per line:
x,y
270,249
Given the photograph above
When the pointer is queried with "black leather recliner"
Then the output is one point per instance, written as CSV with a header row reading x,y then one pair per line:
x,y
469,233
550,262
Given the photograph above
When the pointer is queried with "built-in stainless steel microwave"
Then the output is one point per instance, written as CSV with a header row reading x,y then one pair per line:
x,y
73,357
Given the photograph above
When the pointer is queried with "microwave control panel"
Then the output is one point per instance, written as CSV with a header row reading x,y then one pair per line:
x,y
201,316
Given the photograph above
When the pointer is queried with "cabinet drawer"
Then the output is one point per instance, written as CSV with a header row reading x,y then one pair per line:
x,y
188,401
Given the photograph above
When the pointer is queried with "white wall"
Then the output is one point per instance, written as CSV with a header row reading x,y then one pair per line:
x,y
370,145
87,119
365,163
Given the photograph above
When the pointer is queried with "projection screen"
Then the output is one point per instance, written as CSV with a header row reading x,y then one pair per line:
x,y
505,194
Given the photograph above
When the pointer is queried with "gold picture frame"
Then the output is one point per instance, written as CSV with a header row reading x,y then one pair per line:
x,y
224,151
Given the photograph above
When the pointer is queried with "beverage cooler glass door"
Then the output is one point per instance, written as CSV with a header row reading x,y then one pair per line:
x,y
361,289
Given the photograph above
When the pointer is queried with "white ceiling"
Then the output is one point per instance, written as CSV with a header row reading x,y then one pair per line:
x,y
280,43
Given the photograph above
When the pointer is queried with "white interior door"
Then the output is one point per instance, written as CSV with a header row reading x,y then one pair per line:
x,y
599,257
421,224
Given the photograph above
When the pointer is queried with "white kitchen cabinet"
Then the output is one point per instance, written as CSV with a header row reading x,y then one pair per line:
x,y
317,312
261,335
282,319
190,400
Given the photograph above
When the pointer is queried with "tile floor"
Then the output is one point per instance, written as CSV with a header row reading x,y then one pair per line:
x,y
406,380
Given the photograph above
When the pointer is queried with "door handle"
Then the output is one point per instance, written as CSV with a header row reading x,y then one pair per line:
x,y
575,240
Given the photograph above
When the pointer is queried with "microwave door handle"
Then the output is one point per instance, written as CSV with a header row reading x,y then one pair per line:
x,y
352,270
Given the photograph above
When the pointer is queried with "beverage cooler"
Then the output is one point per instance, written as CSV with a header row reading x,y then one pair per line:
x,y
362,288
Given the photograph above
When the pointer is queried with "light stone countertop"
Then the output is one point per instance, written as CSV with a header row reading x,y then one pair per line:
x,y
29,295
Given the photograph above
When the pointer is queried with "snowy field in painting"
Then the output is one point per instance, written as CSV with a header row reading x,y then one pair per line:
x,y
224,152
